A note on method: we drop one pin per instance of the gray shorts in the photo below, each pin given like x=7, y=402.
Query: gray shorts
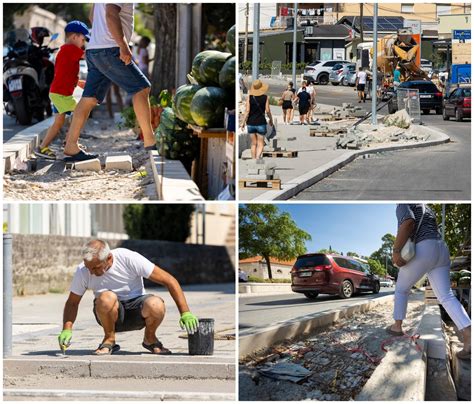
x=130, y=314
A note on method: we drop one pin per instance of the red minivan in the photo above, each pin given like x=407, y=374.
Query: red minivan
x=332, y=274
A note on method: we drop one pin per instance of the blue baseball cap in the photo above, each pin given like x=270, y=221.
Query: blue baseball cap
x=78, y=27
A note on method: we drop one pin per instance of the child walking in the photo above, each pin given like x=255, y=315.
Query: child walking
x=66, y=78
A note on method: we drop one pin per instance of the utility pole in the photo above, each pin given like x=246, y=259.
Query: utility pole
x=361, y=16
x=374, y=66
x=246, y=43
x=295, y=27
x=256, y=41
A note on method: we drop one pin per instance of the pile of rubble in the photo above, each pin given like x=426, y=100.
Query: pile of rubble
x=347, y=110
x=332, y=365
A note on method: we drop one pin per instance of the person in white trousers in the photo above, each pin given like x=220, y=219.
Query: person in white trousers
x=431, y=258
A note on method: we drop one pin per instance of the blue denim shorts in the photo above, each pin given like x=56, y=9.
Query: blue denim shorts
x=258, y=129
x=105, y=67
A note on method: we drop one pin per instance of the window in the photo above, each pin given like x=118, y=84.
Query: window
x=255, y=270
x=342, y=262
x=311, y=261
x=279, y=271
x=330, y=64
x=408, y=8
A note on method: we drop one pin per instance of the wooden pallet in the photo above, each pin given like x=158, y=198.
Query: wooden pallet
x=259, y=184
x=430, y=297
x=321, y=134
x=274, y=154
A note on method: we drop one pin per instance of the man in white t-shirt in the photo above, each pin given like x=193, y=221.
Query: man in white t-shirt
x=361, y=80
x=121, y=303
x=109, y=60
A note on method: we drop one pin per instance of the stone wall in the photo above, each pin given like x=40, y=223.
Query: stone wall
x=43, y=264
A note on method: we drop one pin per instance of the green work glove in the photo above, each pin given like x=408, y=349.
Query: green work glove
x=189, y=322
x=64, y=339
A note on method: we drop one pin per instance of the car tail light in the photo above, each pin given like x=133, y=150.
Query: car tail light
x=322, y=268
x=438, y=94
x=339, y=71
x=466, y=102
x=293, y=270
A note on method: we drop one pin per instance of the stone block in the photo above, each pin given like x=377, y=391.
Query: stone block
x=88, y=165
x=246, y=154
x=260, y=161
x=252, y=171
x=257, y=177
x=122, y=162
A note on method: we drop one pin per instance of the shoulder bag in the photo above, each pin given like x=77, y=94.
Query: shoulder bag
x=408, y=250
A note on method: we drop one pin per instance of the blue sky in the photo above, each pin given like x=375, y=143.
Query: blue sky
x=344, y=227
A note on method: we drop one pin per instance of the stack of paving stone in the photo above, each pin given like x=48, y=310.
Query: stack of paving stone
x=273, y=146
x=259, y=170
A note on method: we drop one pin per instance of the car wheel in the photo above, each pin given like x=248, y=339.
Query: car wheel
x=323, y=79
x=439, y=111
x=458, y=115
x=344, y=82
x=376, y=288
x=426, y=111
x=445, y=115
x=347, y=289
x=311, y=295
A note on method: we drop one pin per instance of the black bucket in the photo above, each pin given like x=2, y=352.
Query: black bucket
x=202, y=341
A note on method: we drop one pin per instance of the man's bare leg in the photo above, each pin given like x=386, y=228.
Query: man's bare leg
x=153, y=312
x=106, y=307
x=141, y=106
x=79, y=118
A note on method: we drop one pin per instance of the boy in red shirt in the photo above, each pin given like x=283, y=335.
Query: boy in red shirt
x=66, y=78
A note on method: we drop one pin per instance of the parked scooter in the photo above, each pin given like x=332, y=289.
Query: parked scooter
x=27, y=74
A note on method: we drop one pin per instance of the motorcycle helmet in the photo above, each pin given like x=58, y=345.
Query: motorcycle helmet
x=38, y=34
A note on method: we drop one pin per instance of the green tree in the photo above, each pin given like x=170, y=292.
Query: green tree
x=457, y=225
x=265, y=231
x=384, y=254
x=158, y=222
x=352, y=254
x=328, y=251
x=376, y=267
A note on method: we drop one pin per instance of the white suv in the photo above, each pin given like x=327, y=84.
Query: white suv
x=319, y=73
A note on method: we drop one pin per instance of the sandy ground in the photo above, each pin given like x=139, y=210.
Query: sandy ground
x=338, y=372
x=103, y=138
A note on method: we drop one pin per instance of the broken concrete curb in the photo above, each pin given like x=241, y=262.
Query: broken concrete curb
x=23, y=143
x=108, y=368
x=114, y=395
x=262, y=339
x=299, y=184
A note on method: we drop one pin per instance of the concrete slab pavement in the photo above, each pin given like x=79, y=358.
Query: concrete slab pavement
x=35, y=365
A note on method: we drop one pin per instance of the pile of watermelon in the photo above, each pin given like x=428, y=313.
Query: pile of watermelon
x=212, y=87
x=174, y=140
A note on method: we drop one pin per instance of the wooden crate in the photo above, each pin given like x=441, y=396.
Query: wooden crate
x=274, y=154
x=430, y=297
x=259, y=184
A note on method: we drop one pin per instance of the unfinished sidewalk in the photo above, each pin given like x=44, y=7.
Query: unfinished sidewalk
x=35, y=371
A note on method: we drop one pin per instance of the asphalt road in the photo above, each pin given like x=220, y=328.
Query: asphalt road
x=262, y=311
x=433, y=173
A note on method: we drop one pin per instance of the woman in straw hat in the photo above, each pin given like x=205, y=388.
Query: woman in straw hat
x=256, y=108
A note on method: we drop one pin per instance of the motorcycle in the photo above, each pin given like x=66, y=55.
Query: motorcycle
x=27, y=74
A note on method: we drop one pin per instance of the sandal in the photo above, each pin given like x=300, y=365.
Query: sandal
x=463, y=355
x=112, y=349
x=394, y=333
x=159, y=345
x=45, y=152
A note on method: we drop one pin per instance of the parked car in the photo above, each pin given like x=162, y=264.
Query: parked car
x=430, y=96
x=319, y=73
x=387, y=283
x=338, y=72
x=332, y=274
x=350, y=76
x=457, y=104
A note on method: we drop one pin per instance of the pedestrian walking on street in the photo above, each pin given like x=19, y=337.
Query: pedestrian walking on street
x=109, y=59
x=418, y=222
x=304, y=104
x=121, y=303
x=293, y=90
x=360, y=83
x=257, y=108
x=66, y=73
x=287, y=106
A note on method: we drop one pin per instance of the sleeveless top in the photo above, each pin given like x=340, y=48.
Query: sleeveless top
x=428, y=229
x=257, y=110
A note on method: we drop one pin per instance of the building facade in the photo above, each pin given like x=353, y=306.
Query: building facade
x=257, y=267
